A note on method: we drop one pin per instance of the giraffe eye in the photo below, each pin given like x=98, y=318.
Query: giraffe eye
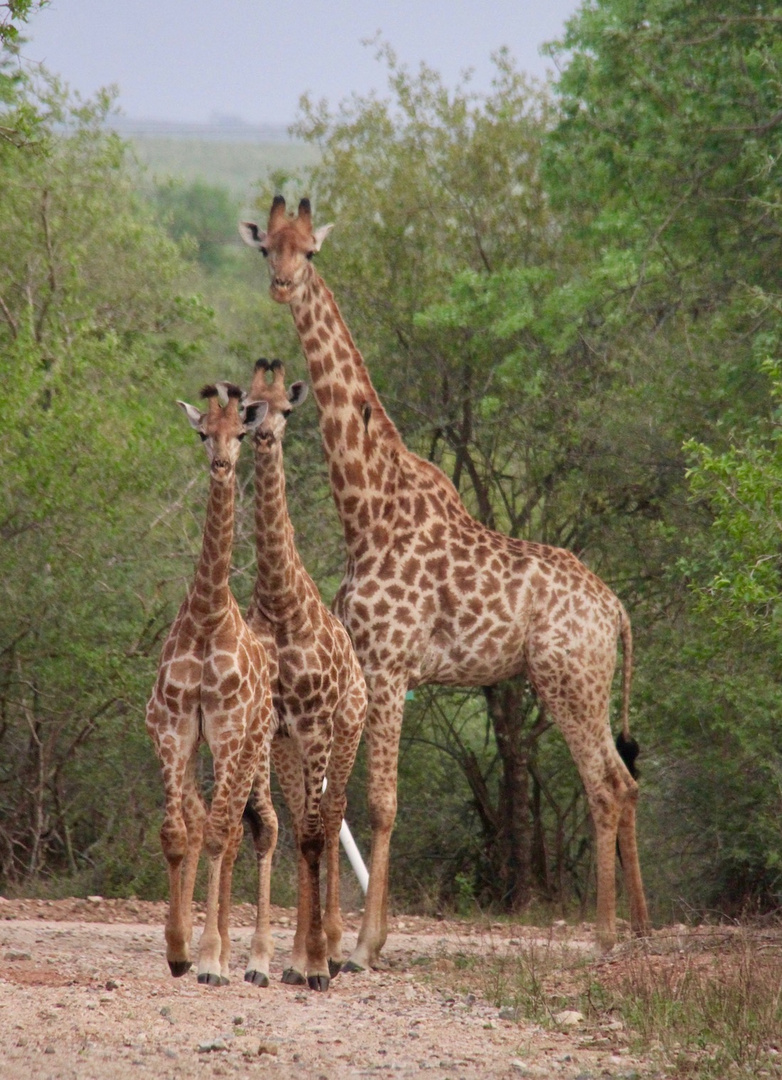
x=310, y=254
x=201, y=436
x=286, y=413
x=264, y=252
x=240, y=436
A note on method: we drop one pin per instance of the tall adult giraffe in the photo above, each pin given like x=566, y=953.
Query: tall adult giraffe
x=432, y=596
x=318, y=689
x=213, y=686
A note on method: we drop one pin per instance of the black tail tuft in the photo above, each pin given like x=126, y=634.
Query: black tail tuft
x=628, y=752
x=253, y=819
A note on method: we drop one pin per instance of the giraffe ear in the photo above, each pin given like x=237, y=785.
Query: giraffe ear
x=254, y=413
x=193, y=415
x=252, y=235
x=297, y=393
x=320, y=235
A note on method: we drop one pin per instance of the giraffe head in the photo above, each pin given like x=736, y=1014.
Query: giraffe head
x=278, y=401
x=288, y=244
x=222, y=427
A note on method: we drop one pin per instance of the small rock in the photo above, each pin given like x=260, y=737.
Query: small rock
x=569, y=1018
x=94, y=899
x=15, y=954
x=267, y=1048
x=238, y=1021
x=508, y=1012
x=48, y=1049
x=110, y=984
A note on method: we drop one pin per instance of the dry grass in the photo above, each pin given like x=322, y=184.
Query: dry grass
x=711, y=999
x=703, y=1003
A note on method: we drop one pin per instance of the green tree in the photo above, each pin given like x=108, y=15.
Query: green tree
x=201, y=214
x=94, y=330
x=666, y=165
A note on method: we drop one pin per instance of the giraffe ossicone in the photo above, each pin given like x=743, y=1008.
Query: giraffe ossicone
x=430, y=595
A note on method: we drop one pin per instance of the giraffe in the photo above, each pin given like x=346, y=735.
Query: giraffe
x=430, y=595
x=318, y=691
x=212, y=686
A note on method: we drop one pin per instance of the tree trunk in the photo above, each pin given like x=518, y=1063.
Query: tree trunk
x=513, y=848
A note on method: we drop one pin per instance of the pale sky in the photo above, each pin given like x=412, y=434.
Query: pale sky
x=194, y=60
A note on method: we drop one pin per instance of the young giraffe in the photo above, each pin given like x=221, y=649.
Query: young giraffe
x=213, y=686
x=432, y=596
x=318, y=690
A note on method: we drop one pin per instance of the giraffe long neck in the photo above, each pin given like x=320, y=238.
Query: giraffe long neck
x=210, y=593
x=361, y=443
x=278, y=584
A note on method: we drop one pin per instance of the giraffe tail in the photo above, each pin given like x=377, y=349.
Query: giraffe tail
x=253, y=819
x=626, y=745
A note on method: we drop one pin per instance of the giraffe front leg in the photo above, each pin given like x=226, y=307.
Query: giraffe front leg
x=173, y=838
x=181, y=837
x=311, y=848
x=224, y=899
x=289, y=770
x=333, y=812
x=347, y=732
x=219, y=830
x=383, y=729
x=263, y=824
x=310, y=838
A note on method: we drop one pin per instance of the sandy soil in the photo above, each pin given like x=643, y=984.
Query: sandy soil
x=85, y=993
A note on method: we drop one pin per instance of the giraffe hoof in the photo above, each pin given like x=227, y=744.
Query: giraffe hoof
x=179, y=967
x=318, y=982
x=352, y=967
x=257, y=978
x=293, y=977
x=208, y=978
x=335, y=966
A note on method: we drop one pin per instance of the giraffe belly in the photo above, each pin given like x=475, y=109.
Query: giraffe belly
x=480, y=661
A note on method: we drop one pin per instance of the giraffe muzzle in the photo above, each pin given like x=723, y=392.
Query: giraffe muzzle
x=281, y=290
x=265, y=440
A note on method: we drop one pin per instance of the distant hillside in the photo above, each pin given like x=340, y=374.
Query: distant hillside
x=236, y=160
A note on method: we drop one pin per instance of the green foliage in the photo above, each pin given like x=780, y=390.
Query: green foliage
x=742, y=488
x=201, y=214
x=12, y=13
x=93, y=329
x=665, y=163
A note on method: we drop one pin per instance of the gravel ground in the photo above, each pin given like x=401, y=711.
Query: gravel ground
x=85, y=993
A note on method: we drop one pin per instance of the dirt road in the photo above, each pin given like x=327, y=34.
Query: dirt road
x=85, y=993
